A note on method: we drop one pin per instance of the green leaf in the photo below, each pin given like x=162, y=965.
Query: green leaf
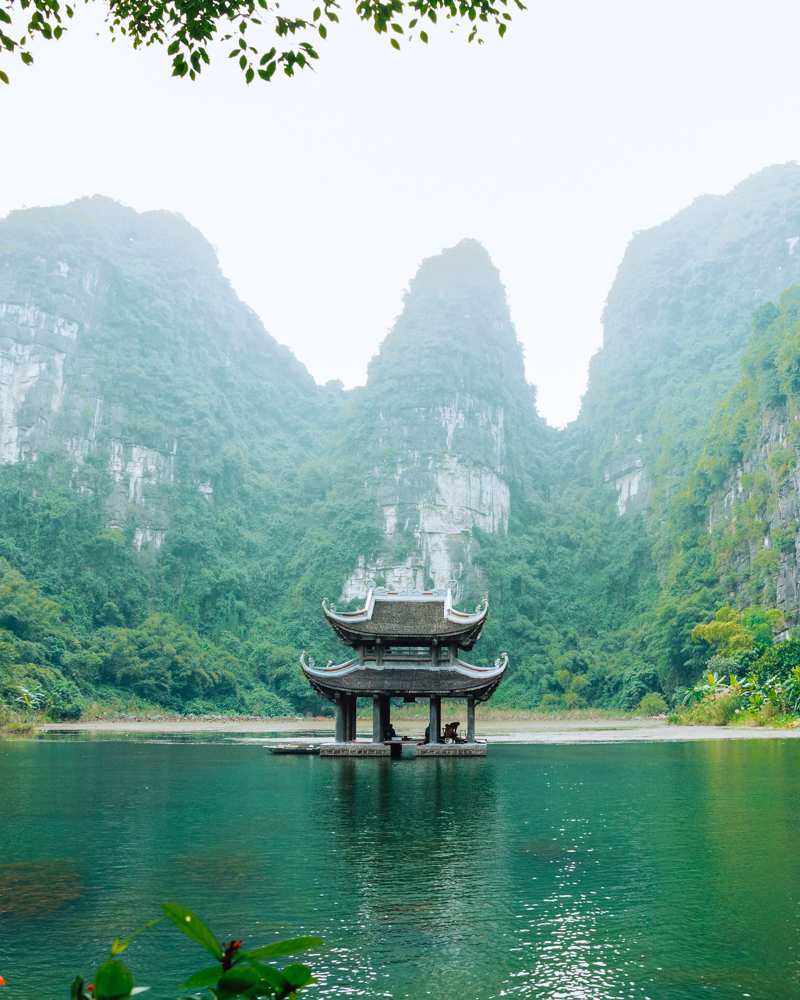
x=119, y=946
x=194, y=927
x=271, y=976
x=3, y=77
x=112, y=981
x=4, y=16
x=395, y=43
x=299, y=975
x=424, y=36
x=235, y=982
x=323, y=31
x=206, y=977
x=77, y=989
x=292, y=946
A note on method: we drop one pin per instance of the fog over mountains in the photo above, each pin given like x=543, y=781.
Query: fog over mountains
x=177, y=494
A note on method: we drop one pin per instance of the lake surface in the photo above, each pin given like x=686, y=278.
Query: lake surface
x=636, y=870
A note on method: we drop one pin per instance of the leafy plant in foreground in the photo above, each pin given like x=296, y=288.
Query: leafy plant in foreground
x=236, y=973
x=112, y=981
x=241, y=973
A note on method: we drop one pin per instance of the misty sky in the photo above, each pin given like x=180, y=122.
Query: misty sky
x=322, y=194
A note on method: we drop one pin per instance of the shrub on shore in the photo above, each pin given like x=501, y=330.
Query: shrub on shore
x=653, y=704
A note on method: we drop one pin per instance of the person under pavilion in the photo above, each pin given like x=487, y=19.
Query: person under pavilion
x=406, y=644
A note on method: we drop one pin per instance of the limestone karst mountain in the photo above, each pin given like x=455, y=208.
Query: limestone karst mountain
x=677, y=322
x=177, y=495
x=198, y=470
x=122, y=342
x=445, y=425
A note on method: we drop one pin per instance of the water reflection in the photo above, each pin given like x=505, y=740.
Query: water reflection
x=562, y=872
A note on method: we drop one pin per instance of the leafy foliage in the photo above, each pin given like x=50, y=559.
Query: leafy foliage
x=188, y=29
x=237, y=973
x=752, y=675
x=734, y=631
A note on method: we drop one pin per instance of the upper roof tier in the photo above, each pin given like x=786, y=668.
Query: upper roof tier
x=408, y=618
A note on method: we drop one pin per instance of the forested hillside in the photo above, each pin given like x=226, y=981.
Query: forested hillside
x=676, y=323
x=177, y=494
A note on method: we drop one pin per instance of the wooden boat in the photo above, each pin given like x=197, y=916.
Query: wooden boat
x=296, y=750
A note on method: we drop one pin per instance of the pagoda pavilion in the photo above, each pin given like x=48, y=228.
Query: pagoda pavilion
x=406, y=644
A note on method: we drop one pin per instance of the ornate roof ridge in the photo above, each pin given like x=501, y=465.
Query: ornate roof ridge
x=438, y=593
x=406, y=595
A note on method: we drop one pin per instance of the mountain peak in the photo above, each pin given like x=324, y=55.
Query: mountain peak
x=459, y=270
x=454, y=334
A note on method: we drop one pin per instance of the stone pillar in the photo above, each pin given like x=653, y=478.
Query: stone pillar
x=350, y=727
x=435, y=718
x=377, y=724
x=341, y=706
x=470, y=720
x=385, y=712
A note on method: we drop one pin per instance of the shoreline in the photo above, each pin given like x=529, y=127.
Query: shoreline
x=558, y=731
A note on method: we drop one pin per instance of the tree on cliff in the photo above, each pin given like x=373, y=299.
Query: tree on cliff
x=187, y=27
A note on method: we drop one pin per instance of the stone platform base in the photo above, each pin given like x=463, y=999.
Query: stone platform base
x=407, y=750
x=355, y=750
x=452, y=750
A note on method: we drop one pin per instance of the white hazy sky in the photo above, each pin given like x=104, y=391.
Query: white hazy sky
x=323, y=193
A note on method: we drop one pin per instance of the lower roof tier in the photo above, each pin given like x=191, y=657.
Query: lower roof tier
x=459, y=680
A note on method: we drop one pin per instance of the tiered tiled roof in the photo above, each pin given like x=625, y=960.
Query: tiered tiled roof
x=410, y=618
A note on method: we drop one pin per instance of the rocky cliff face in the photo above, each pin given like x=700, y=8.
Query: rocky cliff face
x=102, y=312
x=440, y=395
x=676, y=323
x=51, y=403
x=756, y=516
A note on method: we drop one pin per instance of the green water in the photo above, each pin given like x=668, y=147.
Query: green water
x=633, y=870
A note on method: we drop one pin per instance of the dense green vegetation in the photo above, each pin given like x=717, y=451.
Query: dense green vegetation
x=189, y=369
x=196, y=588
x=677, y=322
x=752, y=679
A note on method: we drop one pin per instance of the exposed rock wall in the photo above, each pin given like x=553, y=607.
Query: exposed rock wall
x=50, y=402
x=762, y=500
x=442, y=395
x=117, y=331
x=431, y=504
x=632, y=484
x=676, y=323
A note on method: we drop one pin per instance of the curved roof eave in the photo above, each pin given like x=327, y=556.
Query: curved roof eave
x=338, y=678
